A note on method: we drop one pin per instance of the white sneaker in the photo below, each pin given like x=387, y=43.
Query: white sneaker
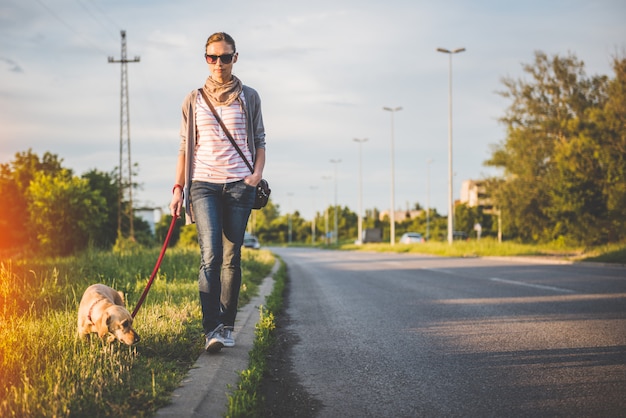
x=227, y=337
x=214, y=340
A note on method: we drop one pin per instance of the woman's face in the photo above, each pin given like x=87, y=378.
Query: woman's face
x=220, y=71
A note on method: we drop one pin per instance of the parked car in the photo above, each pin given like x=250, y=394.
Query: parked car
x=250, y=241
x=411, y=238
x=459, y=236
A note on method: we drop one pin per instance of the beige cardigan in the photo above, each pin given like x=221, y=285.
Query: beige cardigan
x=254, y=128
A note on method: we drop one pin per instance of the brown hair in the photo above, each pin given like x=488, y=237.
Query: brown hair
x=221, y=36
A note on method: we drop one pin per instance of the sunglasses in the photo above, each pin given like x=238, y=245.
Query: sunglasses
x=226, y=58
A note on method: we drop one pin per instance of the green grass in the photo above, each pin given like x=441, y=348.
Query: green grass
x=45, y=371
x=608, y=254
x=245, y=402
x=615, y=253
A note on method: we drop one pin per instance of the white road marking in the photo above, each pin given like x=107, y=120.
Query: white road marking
x=537, y=286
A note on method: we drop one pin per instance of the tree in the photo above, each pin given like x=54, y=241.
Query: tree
x=260, y=222
x=612, y=151
x=106, y=184
x=348, y=224
x=162, y=227
x=555, y=177
x=15, y=178
x=65, y=213
x=14, y=215
x=465, y=218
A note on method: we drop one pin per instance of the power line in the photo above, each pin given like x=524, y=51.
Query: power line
x=94, y=17
x=68, y=26
x=106, y=16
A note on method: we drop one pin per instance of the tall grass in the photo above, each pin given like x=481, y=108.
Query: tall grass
x=46, y=371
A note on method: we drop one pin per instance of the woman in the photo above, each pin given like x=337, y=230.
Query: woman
x=218, y=185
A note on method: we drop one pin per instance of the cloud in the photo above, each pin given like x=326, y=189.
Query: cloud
x=12, y=65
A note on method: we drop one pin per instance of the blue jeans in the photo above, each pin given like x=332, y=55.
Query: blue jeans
x=221, y=212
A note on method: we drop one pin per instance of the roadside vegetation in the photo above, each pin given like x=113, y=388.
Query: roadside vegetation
x=45, y=371
x=245, y=401
x=490, y=247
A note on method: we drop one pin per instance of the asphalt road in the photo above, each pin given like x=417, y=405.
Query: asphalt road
x=398, y=335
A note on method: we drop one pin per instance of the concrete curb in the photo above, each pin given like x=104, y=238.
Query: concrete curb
x=204, y=392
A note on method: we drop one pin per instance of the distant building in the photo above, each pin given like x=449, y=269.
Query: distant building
x=150, y=215
x=401, y=215
x=474, y=193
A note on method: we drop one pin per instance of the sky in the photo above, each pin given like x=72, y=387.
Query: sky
x=324, y=70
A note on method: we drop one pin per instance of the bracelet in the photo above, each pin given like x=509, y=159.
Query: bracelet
x=177, y=186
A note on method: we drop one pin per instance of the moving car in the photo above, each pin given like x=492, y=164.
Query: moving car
x=250, y=241
x=411, y=238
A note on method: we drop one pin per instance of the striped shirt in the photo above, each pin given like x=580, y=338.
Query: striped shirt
x=216, y=160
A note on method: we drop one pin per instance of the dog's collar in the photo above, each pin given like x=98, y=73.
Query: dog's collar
x=91, y=309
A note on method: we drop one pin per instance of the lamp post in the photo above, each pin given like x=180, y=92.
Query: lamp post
x=336, y=162
x=326, y=241
x=428, y=198
x=450, y=201
x=360, y=235
x=290, y=224
x=392, y=211
x=313, y=188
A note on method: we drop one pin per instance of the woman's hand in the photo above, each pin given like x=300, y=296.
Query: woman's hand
x=177, y=202
x=253, y=179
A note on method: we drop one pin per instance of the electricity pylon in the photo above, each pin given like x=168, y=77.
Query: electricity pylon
x=125, y=174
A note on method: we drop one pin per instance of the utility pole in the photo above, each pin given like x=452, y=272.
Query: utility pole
x=125, y=174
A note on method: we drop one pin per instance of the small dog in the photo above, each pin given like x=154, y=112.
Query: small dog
x=102, y=311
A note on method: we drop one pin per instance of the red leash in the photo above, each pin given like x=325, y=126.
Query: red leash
x=156, y=267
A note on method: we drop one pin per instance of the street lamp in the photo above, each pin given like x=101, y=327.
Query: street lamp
x=326, y=241
x=336, y=162
x=313, y=188
x=428, y=163
x=290, y=224
x=450, y=201
x=360, y=236
x=392, y=212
